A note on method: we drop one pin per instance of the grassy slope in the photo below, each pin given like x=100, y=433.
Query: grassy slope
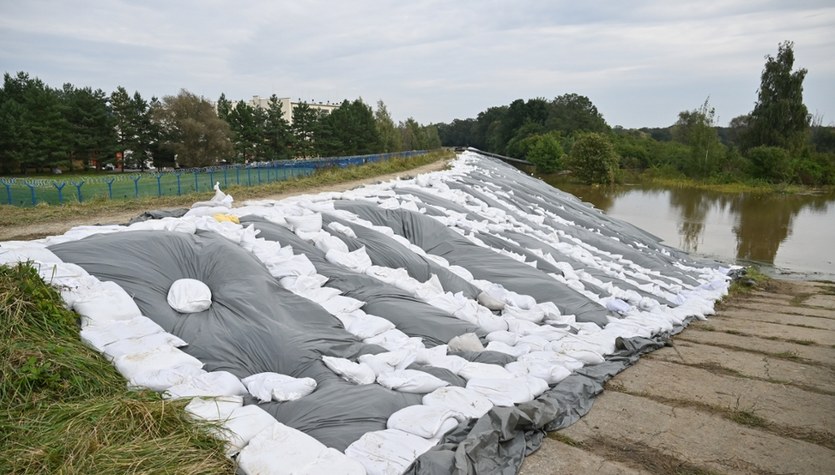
x=65, y=409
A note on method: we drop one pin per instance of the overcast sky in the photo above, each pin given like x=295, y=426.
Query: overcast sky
x=640, y=62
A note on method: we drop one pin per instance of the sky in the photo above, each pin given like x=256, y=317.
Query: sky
x=640, y=62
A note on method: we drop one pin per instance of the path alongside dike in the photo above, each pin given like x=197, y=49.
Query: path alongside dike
x=750, y=390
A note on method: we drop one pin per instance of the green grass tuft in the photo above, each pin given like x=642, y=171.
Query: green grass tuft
x=65, y=409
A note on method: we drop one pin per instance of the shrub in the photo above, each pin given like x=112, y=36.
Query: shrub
x=593, y=159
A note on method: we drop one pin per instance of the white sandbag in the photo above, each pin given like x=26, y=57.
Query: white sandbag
x=206, y=210
x=388, y=452
x=98, y=336
x=452, y=363
x=189, y=296
x=490, y=302
x=357, y=373
x=309, y=223
x=106, y=303
x=331, y=462
x=551, y=373
x=157, y=359
x=212, y=384
x=536, y=385
x=342, y=229
x=298, y=265
x=426, y=355
x=161, y=379
x=357, y=260
x=460, y=400
x=219, y=199
x=465, y=342
x=214, y=409
x=410, y=381
x=501, y=347
x=242, y=425
x=324, y=241
x=388, y=361
x=367, y=326
x=278, y=387
x=391, y=338
x=473, y=370
x=143, y=343
x=319, y=294
x=301, y=283
x=503, y=391
x=33, y=253
x=429, y=422
x=504, y=336
x=279, y=449
x=341, y=304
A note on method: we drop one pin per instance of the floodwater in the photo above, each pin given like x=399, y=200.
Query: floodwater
x=791, y=235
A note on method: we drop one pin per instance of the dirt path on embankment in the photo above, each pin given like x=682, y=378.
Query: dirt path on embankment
x=62, y=224
x=751, y=390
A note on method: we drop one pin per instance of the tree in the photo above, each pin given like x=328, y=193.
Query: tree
x=569, y=113
x=349, y=129
x=386, y=130
x=192, y=130
x=544, y=151
x=135, y=130
x=247, y=126
x=305, y=129
x=91, y=124
x=410, y=134
x=278, y=138
x=779, y=118
x=593, y=159
x=697, y=130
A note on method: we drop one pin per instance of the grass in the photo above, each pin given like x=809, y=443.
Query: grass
x=65, y=409
x=43, y=213
x=752, y=280
x=751, y=186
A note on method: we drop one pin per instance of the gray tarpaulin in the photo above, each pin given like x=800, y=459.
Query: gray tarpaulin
x=435, y=238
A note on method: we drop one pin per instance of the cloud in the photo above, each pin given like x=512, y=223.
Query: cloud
x=640, y=62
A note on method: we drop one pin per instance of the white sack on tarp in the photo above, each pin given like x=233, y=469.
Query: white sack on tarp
x=308, y=223
x=503, y=336
x=357, y=260
x=516, y=351
x=106, y=303
x=391, y=340
x=426, y=355
x=551, y=373
x=410, y=381
x=31, y=252
x=388, y=452
x=461, y=400
x=164, y=357
x=484, y=370
x=242, y=425
x=143, y=343
x=206, y=211
x=189, y=296
x=453, y=363
x=389, y=361
x=98, y=336
x=341, y=304
x=465, y=342
x=503, y=392
x=342, y=229
x=332, y=462
x=278, y=387
x=161, y=379
x=213, y=409
x=212, y=384
x=296, y=266
x=429, y=422
x=219, y=199
x=319, y=294
x=363, y=325
x=357, y=373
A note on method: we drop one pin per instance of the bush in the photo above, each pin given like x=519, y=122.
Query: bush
x=770, y=163
x=593, y=159
x=545, y=152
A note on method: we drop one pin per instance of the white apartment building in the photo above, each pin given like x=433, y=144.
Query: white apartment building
x=287, y=106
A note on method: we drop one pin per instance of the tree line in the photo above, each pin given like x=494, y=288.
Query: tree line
x=778, y=141
x=43, y=128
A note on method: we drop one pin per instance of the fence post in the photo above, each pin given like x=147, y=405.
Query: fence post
x=136, y=179
x=238, y=174
x=32, y=190
x=259, y=174
x=211, y=177
x=159, y=184
x=78, y=185
x=110, y=187
x=179, y=189
x=60, y=191
x=249, y=176
x=196, y=185
x=225, y=181
x=8, y=185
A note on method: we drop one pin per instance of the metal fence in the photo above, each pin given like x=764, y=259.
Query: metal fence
x=21, y=191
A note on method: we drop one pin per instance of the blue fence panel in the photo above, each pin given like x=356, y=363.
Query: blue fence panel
x=18, y=191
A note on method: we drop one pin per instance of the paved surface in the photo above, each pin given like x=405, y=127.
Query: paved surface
x=751, y=390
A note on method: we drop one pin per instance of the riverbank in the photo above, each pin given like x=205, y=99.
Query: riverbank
x=18, y=223
x=750, y=390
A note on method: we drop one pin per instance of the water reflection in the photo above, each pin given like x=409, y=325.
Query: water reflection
x=729, y=226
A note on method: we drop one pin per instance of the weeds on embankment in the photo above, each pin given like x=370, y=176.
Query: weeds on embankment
x=65, y=409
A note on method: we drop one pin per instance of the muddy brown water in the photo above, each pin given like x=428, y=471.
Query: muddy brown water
x=793, y=235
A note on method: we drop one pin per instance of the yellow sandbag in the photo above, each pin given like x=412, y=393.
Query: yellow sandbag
x=220, y=217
